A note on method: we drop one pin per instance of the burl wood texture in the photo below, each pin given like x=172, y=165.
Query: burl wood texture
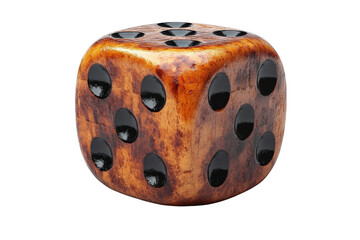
x=186, y=133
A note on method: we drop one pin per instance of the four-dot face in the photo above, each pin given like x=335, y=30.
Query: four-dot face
x=151, y=93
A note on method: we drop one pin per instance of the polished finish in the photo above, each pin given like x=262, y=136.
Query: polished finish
x=176, y=122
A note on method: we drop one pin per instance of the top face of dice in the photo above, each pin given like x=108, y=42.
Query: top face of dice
x=180, y=113
x=180, y=35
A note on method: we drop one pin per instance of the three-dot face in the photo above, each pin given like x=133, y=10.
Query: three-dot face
x=122, y=136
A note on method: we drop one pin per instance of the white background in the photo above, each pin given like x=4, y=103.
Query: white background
x=47, y=191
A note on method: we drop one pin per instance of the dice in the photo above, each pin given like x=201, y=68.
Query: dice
x=180, y=113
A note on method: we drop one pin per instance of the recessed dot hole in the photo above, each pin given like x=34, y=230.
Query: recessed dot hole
x=175, y=24
x=267, y=77
x=244, y=121
x=230, y=33
x=265, y=149
x=219, y=91
x=126, y=125
x=101, y=154
x=99, y=81
x=218, y=168
x=155, y=170
x=127, y=35
x=182, y=43
x=153, y=93
x=178, y=32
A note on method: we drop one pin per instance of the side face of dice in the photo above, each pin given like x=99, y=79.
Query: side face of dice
x=180, y=113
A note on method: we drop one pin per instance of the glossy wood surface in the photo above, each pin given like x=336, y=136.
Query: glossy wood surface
x=186, y=132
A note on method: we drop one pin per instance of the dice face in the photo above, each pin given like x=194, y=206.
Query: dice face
x=180, y=113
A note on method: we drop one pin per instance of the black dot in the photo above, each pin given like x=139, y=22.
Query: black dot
x=153, y=93
x=178, y=32
x=218, y=168
x=267, y=77
x=219, y=91
x=230, y=33
x=101, y=154
x=265, y=148
x=182, y=43
x=244, y=122
x=99, y=81
x=127, y=35
x=126, y=125
x=174, y=24
x=155, y=170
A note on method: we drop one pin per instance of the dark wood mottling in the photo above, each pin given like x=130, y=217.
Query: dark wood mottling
x=186, y=133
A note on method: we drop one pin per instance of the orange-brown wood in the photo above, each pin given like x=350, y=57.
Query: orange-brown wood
x=186, y=133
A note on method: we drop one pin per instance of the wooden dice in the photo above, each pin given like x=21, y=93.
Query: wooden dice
x=180, y=113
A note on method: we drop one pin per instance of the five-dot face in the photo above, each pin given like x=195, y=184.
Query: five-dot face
x=126, y=127
x=153, y=98
x=219, y=93
x=177, y=35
